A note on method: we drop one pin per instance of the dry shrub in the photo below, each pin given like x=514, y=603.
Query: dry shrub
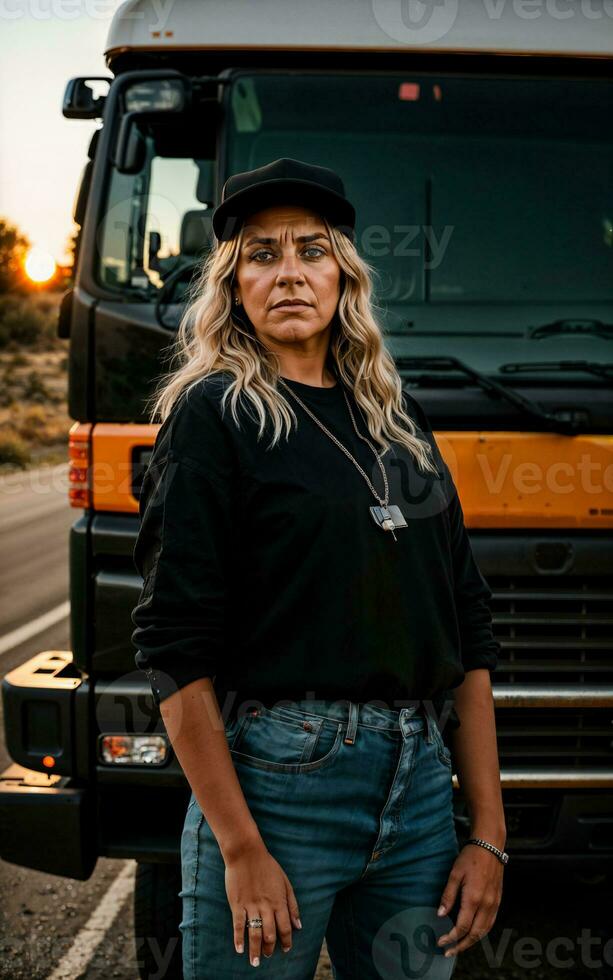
x=38, y=428
x=13, y=450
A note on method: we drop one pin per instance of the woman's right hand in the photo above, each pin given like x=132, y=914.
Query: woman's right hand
x=256, y=885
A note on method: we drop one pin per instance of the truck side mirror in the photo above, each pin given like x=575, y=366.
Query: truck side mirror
x=150, y=99
x=79, y=101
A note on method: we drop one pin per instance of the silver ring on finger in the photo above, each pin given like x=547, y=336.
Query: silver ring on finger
x=255, y=923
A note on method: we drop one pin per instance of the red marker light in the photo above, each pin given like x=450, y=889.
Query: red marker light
x=79, y=461
x=408, y=92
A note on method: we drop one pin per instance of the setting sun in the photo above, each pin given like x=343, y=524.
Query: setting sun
x=40, y=266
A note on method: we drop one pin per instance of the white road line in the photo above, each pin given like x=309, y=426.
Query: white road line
x=16, y=637
x=95, y=929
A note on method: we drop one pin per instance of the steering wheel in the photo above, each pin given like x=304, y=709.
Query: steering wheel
x=165, y=294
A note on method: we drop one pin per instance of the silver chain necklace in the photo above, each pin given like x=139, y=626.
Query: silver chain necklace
x=386, y=516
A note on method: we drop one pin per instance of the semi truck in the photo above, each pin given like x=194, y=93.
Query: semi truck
x=476, y=143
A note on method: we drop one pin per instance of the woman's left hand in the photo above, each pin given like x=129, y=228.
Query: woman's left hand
x=478, y=873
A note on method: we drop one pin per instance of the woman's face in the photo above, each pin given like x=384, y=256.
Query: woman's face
x=287, y=256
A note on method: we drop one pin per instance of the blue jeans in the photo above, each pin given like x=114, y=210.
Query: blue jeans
x=355, y=802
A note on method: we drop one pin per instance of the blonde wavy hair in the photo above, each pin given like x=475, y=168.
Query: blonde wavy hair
x=209, y=339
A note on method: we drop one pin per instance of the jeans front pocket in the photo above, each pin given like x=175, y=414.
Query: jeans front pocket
x=287, y=741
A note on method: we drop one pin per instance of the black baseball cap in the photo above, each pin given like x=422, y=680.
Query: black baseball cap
x=284, y=181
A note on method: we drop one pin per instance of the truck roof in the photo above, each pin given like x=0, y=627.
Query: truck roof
x=497, y=26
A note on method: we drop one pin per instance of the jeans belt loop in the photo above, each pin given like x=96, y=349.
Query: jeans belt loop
x=352, y=724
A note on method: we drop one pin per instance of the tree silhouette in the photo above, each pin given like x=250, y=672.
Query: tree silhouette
x=13, y=249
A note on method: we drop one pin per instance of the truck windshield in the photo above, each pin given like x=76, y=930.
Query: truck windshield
x=485, y=205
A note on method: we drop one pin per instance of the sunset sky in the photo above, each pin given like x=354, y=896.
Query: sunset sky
x=42, y=154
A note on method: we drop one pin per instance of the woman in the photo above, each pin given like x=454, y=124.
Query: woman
x=308, y=602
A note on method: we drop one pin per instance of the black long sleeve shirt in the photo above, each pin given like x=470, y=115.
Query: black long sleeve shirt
x=264, y=569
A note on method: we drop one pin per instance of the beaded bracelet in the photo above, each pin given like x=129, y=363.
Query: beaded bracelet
x=502, y=856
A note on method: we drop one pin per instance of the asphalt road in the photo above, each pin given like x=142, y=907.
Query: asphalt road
x=53, y=928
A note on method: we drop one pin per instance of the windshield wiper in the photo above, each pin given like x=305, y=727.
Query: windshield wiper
x=576, y=326
x=494, y=390
x=591, y=367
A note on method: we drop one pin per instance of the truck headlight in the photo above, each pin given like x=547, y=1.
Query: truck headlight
x=133, y=750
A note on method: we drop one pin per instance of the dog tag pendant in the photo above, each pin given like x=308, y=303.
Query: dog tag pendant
x=388, y=518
